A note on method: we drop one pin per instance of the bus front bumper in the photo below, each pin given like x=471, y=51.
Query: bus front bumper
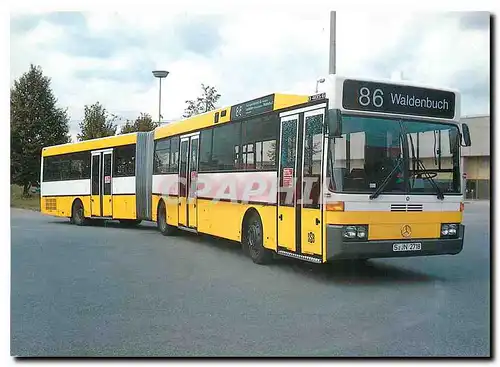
x=340, y=248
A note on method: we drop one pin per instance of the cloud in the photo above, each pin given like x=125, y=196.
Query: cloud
x=475, y=20
x=200, y=34
x=244, y=53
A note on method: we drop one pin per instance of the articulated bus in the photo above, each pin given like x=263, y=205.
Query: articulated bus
x=95, y=179
x=365, y=169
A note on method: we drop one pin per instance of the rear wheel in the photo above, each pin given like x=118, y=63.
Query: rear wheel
x=253, y=241
x=77, y=214
x=161, y=220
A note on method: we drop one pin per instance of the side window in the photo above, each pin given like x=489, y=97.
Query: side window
x=124, y=157
x=174, y=155
x=161, y=156
x=50, y=172
x=225, y=139
x=79, y=165
x=205, y=149
x=72, y=166
x=75, y=168
x=259, y=137
x=65, y=167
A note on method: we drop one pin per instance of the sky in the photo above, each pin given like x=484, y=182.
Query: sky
x=109, y=56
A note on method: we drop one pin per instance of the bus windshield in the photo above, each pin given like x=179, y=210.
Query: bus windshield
x=403, y=156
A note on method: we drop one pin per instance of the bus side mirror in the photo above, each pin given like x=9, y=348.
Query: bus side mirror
x=334, y=123
x=466, y=135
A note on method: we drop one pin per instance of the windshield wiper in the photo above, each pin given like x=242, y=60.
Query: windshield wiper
x=420, y=164
x=386, y=181
x=431, y=180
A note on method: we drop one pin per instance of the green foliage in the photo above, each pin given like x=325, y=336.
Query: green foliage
x=19, y=200
x=35, y=122
x=206, y=102
x=97, y=123
x=142, y=123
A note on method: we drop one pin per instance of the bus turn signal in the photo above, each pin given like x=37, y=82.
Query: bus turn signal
x=337, y=206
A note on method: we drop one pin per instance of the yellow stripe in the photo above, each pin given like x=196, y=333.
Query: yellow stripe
x=207, y=119
x=366, y=217
x=388, y=225
x=123, y=206
x=287, y=100
x=94, y=144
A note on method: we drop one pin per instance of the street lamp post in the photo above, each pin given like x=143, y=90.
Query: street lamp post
x=160, y=74
x=322, y=80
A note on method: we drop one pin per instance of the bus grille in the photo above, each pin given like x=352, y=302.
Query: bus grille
x=50, y=204
x=406, y=207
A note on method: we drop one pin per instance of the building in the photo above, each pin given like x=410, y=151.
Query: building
x=476, y=158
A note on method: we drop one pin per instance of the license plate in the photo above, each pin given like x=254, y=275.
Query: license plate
x=414, y=246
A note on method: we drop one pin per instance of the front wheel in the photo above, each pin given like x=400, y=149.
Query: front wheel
x=254, y=241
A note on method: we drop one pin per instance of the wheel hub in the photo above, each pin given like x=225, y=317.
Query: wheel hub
x=252, y=239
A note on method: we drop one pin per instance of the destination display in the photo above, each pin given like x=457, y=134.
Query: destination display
x=317, y=97
x=399, y=99
x=253, y=107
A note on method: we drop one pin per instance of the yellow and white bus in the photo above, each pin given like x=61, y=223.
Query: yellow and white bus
x=365, y=169
x=93, y=179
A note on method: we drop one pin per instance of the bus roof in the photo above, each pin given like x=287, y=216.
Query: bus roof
x=219, y=116
x=93, y=144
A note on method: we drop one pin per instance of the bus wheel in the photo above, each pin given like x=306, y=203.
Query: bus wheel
x=130, y=222
x=161, y=221
x=254, y=240
x=77, y=216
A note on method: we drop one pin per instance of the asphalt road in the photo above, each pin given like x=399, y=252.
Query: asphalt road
x=110, y=291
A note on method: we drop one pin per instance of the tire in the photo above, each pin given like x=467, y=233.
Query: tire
x=77, y=214
x=161, y=221
x=253, y=241
x=130, y=222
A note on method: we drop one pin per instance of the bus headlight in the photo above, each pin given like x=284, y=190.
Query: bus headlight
x=444, y=230
x=350, y=232
x=452, y=229
x=355, y=232
x=361, y=232
x=449, y=230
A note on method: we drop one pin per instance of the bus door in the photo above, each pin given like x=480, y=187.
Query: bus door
x=101, y=198
x=188, y=178
x=300, y=212
x=311, y=212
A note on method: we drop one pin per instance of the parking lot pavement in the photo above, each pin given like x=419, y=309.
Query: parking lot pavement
x=104, y=290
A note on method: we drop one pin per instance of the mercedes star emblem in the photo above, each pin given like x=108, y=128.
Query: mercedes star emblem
x=406, y=230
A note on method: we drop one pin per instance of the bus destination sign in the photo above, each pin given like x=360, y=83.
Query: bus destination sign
x=317, y=97
x=398, y=99
x=253, y=107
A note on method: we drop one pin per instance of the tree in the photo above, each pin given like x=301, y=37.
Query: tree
x=35, y=122
x=205, y=103
x=142, y=123
x=97, y=123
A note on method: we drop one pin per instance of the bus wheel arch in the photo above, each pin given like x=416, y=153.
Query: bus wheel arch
x=161, y=219
x=252, y=238
x=78, y=213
